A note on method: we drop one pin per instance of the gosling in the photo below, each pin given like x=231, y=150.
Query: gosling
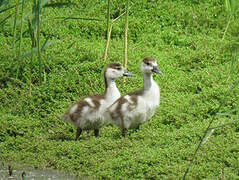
x=135, y=108
x=88, y=112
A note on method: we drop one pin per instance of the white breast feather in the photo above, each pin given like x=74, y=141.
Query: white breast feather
x=145, y=109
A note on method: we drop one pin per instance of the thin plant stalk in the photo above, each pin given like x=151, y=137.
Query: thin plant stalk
x=108, y=42
x=126, y=35
x=109, y=36
x=15, y=27
x=108, y=18
x=31, y=32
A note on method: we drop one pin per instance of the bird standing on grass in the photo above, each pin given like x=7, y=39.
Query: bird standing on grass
x=134, y=108
x=88, y=113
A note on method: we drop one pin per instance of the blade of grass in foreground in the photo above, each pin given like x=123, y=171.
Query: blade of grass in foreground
x=208, y=132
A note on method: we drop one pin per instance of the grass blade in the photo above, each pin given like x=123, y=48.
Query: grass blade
x=2, y=21
x=31, y=33
x=228, y=5
x=3, y=10
x=34, y=16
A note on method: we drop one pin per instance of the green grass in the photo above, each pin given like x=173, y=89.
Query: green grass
x=199, y=67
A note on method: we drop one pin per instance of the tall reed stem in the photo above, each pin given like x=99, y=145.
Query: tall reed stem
x=108, y=19
x=126, y=34
x=109, y=35
x=108, y=42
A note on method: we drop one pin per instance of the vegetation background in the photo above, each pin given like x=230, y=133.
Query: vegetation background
x=52, y=57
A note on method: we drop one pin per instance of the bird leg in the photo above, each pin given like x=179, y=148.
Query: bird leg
x=124, y=132
x=78, y=132
x=96, y=132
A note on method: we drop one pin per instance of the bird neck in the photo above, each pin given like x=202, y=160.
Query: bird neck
x=111, y=91
x=148, y=81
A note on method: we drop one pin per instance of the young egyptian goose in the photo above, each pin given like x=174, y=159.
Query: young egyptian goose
x=88, y=113
x=134, y=108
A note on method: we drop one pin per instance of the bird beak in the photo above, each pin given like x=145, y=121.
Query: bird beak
x=127, y=73
x=156, y=70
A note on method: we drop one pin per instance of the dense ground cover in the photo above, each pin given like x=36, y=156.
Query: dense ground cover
x=199, y=67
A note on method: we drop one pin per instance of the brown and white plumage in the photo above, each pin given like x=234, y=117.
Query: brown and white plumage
x=134, y=108
x=88, y=113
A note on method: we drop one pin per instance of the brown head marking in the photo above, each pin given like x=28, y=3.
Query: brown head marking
x=148, y=60
x=112, y=66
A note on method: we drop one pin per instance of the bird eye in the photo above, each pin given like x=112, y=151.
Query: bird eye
x=118, y=68
x=148, y=63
